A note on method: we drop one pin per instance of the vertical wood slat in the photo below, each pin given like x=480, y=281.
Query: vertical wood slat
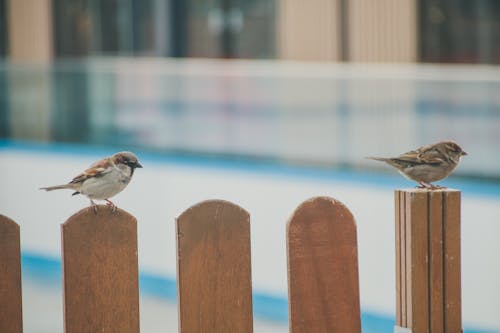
x=408, y=262
x=399, y=273
x=417, y=211
x=429, y=224
x=452, y=266
x=11, y=319
x=400, y=259
x=213, y=269
x=436, y=309
x=100, y=272
x=323, y=282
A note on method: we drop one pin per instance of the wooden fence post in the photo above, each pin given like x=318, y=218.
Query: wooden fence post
x=323, y=281
x=100, y=272
x=428, y=283
x=11, y=319
x=213, y=269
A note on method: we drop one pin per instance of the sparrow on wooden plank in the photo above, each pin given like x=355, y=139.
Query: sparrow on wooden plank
x=428, y=163
x=103, y=179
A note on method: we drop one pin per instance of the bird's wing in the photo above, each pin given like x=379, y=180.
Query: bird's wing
x=97, y=169
x=424, y=155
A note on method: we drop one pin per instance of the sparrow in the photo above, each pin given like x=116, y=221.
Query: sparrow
x=428, y=163
x=103, y=179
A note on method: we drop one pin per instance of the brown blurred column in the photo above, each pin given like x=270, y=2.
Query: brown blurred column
x=308, y=30
x=29, y=26
x=382, y=30
x=30, y=30
x=348, y=30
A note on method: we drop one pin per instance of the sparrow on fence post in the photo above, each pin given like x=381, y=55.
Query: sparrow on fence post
x=428, y=163
x=103, y=179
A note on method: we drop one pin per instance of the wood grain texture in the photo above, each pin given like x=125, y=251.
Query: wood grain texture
x=408, y=261
x=404, y=261
x=11, y=319
x=400, y=259
x=418, y=220
x=452, y=268
x=435, y=222
x=323, y=284
x=397, y=238
x=214, y=269
x=429, y=225
x=100, y=272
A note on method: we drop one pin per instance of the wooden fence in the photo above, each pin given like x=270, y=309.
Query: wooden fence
x=100, y=268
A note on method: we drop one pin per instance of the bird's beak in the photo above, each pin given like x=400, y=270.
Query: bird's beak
x=464, y=153
x=138, y=165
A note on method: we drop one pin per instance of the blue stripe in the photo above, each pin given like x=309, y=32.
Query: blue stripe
x=46, y=271
x=273, y=167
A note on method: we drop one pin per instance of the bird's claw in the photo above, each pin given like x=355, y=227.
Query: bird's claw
x=111, y=204
x=429, y=186
x=93, y=206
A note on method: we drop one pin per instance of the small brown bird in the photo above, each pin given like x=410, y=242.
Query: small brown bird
x=427, y=164
x=103, y=179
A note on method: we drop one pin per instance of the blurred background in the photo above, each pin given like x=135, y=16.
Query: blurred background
x=253, y=102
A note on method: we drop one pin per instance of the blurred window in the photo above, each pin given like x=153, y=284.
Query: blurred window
x=3, y=29
x=111, y=27
x=460, y=31
x=184, y=28
x=229, y=28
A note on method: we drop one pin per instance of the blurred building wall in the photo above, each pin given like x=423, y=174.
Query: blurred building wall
x=443, y=31
x=29, y=28
x=309, y=30
x=348, y=30
x=382, y=31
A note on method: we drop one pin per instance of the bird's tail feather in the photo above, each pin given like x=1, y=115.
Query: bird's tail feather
x=57, y=187
x=383, y=159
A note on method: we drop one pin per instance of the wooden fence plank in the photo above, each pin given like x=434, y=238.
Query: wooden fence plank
x=404, y=261
x=399, y=255
x=100, y=272
x=418, y=214
x=11, y=319
x=323, y=268
x=453, y=296
x=436, y=310
x=408, y=261
x=213, y=268
x=432, y=252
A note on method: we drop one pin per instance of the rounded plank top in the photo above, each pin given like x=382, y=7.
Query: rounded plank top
x=214, y=205
x=103, y=213
x=100, y=267
x=214, y=268
x=323, y=268
x=8, y=223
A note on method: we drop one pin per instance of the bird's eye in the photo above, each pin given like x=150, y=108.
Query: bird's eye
x=126, y=161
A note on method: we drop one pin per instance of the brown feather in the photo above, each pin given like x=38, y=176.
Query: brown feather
x=94, y=170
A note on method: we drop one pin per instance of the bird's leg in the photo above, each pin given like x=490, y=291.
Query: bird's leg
x=93, y=206
x=110, y=204
x=425, y=185
x=430, y=186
